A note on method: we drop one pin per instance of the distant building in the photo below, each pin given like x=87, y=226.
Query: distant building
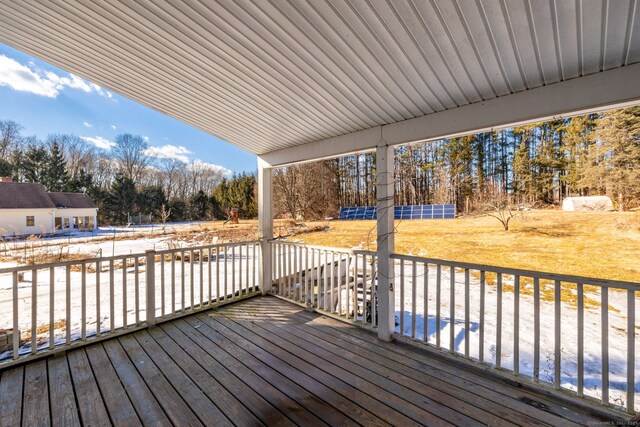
x=27, y=209
x=587, y=204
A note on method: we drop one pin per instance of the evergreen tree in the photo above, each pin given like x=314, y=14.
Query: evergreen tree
x=121, y=199
x=199, y=206
x=55, y=177
x=34, y=164
x=614, y=160
x=150, y=200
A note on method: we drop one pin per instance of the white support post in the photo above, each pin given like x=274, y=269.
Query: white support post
x=386, y=271
x=265, y=222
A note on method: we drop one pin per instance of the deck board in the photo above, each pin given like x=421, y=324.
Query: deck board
x=265, y=361
x=65, y=411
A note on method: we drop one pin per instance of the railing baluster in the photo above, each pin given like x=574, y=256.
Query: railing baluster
x=83, y=299
x=631, y=349
x=218, y=275
x=557, y=334
x=333, y=282
x=414, y=286
x=287, y=270
x=452, y=308
x=52, y=298
x=209, y=276
x=604, y=339
x=297, y=268
x=364, y=288
x=173, y=282
x=16, y=330
x=438, y=302
x=499, y=323
x=516, y=324
x=322, y=296
x=98, y=304
x=402, y=297
x=233, y=272
x=201, y=281
x=309, y=277
x=339, y=284
x=355, y=286
x=425, y=297
x=34, y=311
x=137, y=288
x=481, y=321
x=246, y=271
x=536, y=329
x=253, y=275
x=226, y=284
x=67, y=280
x=112, y=291
x=192, y=260
x=162, y=284
x=374, y=294
x=347, y=287
x=182, y=280
x=124, y=293
x=580, y=290
x=466, y=312
x=239, y=270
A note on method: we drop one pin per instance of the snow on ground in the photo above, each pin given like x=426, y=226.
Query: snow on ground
x=189, y=287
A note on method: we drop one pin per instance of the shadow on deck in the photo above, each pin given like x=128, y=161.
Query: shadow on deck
x=264, y=361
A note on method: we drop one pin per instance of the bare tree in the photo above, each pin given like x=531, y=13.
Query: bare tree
x=503, y=212
x=164, y=213
x=130, y=153
x=9, y=137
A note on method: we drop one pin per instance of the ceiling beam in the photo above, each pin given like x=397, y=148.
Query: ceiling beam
x=614, y=88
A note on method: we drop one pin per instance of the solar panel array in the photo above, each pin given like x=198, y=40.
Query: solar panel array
x=402, y=212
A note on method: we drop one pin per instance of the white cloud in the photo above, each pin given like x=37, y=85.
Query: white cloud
x=99, y=142
x=172, y=152
x=113, y=127
x=146, y=138
x=199, y=164
x=31, y=79
x=87, y=124
x=182, y=154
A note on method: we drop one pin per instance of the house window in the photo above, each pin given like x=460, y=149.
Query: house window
x=31, y=221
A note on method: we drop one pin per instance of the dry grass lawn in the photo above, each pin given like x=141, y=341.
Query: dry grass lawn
x=593, y=244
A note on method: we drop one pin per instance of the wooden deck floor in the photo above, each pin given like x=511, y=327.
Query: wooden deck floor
x=263, y=362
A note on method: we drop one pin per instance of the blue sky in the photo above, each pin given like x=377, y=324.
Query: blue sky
x=45, y=99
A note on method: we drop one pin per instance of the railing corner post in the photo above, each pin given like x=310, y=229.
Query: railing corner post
x=151, y=287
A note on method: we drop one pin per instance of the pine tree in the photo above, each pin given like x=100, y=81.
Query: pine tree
x=55, y=177
x=34, y=163
x=614, y=159
x=121, y=199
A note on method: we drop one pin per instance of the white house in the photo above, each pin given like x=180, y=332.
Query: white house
x=27, y=208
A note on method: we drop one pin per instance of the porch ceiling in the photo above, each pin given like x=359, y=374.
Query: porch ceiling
x=270, y=76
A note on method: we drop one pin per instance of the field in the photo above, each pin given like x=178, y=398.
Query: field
x=592, y=244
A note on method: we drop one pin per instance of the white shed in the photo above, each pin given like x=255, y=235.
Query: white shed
x=590, y=203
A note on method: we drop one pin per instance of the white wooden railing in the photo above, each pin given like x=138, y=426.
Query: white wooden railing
x=335, y=281
x=573, y=333
x=57, y=306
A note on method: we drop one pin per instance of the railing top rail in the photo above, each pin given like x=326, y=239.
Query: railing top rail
x=526, y=273
x=93, y=260
x=304, y=245
x=212, y=246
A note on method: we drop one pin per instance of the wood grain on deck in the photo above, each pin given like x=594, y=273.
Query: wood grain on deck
x=264, y=361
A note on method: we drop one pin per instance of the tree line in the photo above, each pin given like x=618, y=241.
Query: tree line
x=538, y=164
x=125, y=180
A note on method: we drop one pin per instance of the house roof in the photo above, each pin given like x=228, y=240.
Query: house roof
x=19, y=195
x=275, y=76
x=72, y=200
